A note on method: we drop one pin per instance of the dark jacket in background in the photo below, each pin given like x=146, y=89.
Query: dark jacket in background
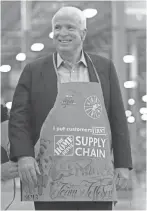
x=4, y=156
x=4, y=113
x=4, y=117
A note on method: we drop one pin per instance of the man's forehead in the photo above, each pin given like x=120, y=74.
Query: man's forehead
x=66, y=17
x=72, y=16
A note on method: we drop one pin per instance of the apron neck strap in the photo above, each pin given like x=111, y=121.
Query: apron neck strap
x=91, y=69
x=55, y=67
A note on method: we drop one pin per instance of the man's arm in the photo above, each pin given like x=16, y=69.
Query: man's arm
x=118, y=122
x=21, y=143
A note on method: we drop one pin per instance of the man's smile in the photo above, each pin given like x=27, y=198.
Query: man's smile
x=64, y=41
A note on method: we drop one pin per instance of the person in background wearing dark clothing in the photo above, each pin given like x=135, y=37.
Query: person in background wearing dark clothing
x=9, y=169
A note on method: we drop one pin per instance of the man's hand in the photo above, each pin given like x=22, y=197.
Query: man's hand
x=28, y=170
x=122, y=178
x=9, y=170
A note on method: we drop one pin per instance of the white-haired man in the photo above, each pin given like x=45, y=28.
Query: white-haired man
x=70, y=103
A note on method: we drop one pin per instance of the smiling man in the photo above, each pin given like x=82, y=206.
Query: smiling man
x=89, y=85
x=69, y=33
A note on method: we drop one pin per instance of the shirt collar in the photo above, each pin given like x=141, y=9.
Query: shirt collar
x=60, y=60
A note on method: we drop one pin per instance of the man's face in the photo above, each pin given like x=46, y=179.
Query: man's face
x=67, y=33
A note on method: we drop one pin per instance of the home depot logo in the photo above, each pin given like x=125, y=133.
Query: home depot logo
x=63, y=145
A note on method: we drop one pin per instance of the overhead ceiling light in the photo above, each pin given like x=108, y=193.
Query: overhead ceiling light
x=134, y=11
x=9, y=105
x=131, y=101
x=144, y=98
x=130, y=84
x=37, y=47
x=143, y=132
x=144, y=117
x=90, y=13
x=131, y=119
x=51, y=35
x=139, y=17
x=143, y=110
x=21, y=57
x=128, y=113
x=128, y=58
x=5, y=68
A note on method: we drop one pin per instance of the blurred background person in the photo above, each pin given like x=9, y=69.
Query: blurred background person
x=9, y=169
x=4, y=134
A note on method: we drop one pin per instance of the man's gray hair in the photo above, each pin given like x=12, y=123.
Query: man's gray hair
x=73, y=12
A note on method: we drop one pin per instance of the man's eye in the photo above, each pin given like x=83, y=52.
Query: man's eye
x=57, y=27
x=70, y=28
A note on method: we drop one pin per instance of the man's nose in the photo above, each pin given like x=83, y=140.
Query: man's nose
x=63, y=31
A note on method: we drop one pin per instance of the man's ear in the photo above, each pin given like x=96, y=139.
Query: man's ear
x=83, y=35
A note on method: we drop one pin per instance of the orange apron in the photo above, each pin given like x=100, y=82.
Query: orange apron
x=75, y=157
